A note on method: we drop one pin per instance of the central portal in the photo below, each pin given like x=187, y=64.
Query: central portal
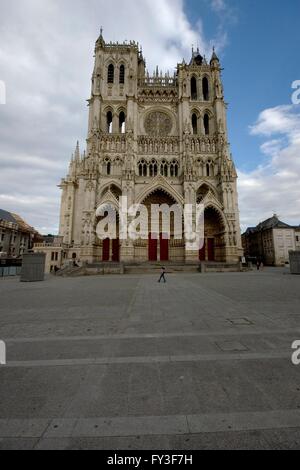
x=158, y=251
x=159, y=244
x=164, y=248
x=152, y=248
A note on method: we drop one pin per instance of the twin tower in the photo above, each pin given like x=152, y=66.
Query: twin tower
x=156, y=139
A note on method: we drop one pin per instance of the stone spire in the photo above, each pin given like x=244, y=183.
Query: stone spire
x=214, y=58
x=100, y=41
x=77, y=152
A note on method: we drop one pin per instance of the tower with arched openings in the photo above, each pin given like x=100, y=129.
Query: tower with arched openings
x=156, y=139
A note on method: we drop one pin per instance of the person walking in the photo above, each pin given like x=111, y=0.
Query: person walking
x=163, y=275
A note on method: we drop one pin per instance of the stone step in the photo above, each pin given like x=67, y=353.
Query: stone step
x=149, y=268
x=153, y=269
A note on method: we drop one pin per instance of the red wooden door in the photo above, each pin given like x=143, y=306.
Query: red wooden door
x=202, y=252
x=105, y=249
x=164, y=249
x=116, y=251
x=211, y=249
x=152, y=248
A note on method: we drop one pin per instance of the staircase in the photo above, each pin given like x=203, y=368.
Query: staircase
x=97, y=269
x=154, y=268
x=100, y=269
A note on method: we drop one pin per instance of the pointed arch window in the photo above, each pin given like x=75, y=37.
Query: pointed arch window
x=153, y=168
x=108, y=167
x=109, y=122
x=164, y=169
x=143, y=168
x=122, y=122
x=194, y=88
x=111, y=74
x=174, y=169
x=206, y=124
x=195, y=124
x=122, y=75
x=205, y=87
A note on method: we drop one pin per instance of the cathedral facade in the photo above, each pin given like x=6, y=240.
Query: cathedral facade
x=154, y=139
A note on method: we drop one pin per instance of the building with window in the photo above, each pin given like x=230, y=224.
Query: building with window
x=271, y=241
x=297, y=237
x=156, y=139
x=16, y=236
x=54, y=250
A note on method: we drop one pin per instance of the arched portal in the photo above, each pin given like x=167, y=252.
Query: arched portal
x=163, y=245
x=110, y=246
x=214, y=236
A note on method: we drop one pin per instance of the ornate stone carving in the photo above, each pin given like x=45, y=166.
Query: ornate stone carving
x=158, y=124
x=162, y=146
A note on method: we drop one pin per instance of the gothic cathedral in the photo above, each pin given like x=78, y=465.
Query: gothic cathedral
x=156, y=139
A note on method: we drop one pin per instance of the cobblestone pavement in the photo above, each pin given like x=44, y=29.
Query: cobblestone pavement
x=122, y=362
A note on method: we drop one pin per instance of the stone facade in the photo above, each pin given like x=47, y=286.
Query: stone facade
x=16, y=236
x=54, y=252
x=154, y=139
x=271, y=241
x=297, y=235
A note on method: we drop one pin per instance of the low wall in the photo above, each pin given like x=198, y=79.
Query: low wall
x=93, y=270
x=220, y=268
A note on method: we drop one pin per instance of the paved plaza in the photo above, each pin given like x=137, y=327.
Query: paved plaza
x=122, y=362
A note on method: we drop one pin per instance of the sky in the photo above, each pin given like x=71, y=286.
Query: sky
x=46, y=62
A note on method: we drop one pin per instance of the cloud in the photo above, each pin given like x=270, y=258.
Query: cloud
x=273, y=187
x=227, y=13
x=218, y=5
x=46, y=63
x=278, y=120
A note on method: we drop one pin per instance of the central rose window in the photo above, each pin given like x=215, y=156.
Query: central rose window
x=158, y=124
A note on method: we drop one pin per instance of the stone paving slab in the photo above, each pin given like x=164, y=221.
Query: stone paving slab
x=149, y=359
x=149, y=425
x=122, y=362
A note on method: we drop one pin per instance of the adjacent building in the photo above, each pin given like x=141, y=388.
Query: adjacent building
x=54, y=250
x=16, y=236
x=297, y=236
x=271, y=241
x=154, y=139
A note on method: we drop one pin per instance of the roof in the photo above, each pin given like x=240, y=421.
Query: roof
x=214, y=57
x=197, y=58
x=272, y=222
x=7, y=216
x=250, y=230
x=23, y=226
x=17, y=220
